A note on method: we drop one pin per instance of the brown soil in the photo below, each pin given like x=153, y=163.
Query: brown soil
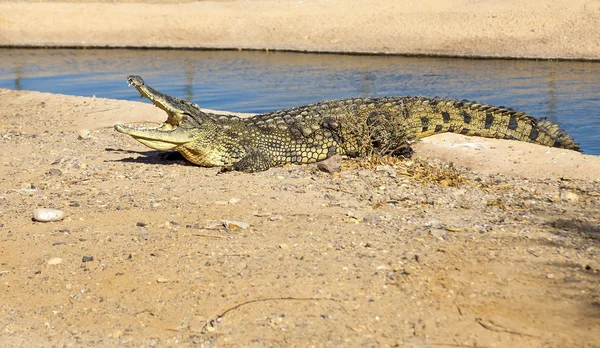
x=498, y=249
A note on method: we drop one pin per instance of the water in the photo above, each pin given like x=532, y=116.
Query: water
x=567, y=93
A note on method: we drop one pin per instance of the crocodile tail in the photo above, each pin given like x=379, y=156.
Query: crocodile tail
x=431, y=116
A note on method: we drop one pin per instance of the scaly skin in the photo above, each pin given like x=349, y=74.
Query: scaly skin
x=315, y=132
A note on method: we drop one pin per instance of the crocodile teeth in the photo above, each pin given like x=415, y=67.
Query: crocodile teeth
x=139, y=126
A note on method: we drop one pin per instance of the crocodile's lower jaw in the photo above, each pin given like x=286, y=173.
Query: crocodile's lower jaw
x=149, y=136
x=156, y=144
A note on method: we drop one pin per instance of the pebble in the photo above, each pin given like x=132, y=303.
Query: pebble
x=162, y=280
x=54, y=171
x=234, y=200
x=87, y=259
x=284, y=246
x=386, y=169
x=365, y=172
x=235, y=225
x=432, y=223
x=84, y=134
x=27, y=186
x=569, y=196
x=48, y=215
x=54, y=261
x=331, y=165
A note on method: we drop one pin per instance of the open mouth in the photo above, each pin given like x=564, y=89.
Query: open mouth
x=169, y=134
x=163, y=138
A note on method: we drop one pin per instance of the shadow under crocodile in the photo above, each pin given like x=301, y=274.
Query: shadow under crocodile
x=151, y=157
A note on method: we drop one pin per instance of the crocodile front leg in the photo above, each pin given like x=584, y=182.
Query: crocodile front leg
x=254, y=161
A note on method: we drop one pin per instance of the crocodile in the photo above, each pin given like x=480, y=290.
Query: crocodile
x=315, y=132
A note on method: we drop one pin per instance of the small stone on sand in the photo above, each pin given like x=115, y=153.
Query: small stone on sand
x=54, y=261
x=48, y=215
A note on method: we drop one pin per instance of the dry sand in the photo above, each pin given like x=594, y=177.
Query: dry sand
x=473, y=243
x=512, y=28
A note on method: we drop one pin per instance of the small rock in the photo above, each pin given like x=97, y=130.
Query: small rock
x=386, y=169
x=234, y=200
x=48, y=215
x=275, y=218
x=84, y=134
x=140, y=224
x=162, y=280
x=87, y=259
x=365, y=172
x=284, y=246
x=331, y=165
x=27, y=186
x=432, y=223
x=54, y=261
x=235, y=225
x=55, y=171
x=569, y=196
x=550, y=276
x=210, y=329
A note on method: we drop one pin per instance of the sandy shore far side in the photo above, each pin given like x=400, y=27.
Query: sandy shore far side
x=532, y=29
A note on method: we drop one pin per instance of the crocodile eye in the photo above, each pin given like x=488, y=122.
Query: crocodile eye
x=189, y=121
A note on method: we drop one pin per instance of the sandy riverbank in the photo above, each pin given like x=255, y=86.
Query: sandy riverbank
x=533, y=29
x=500, y=248
x=473, y=243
